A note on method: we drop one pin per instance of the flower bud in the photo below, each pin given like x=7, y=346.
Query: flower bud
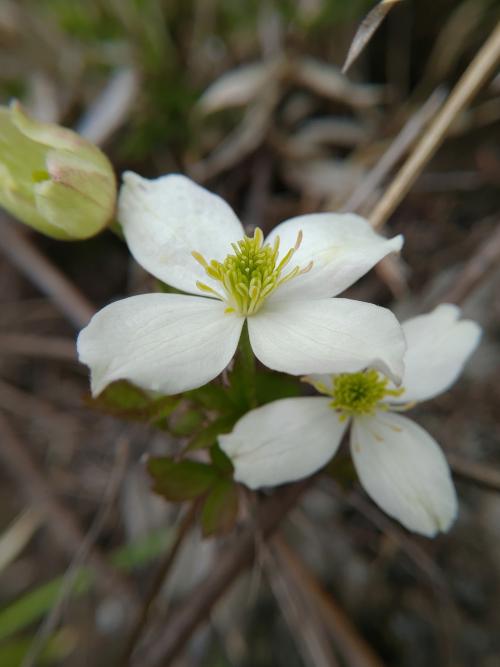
x=52, y=179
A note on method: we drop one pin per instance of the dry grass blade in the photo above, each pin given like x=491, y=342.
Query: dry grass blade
x=453, y=39
x=366, y=30
x=17, y=535
x=328, y=81
x=111, y=108
x=478, y=72
x=397, y=149
x=240, y=86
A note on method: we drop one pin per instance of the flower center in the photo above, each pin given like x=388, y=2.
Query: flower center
x=358, y=393
x=251, y=274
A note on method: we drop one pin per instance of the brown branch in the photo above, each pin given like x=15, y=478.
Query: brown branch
x=17, y=247
x=480, y=474
x=483, y=262
x=469, y=84
x=60, y=521
x=157, y=584
x=353, y=648
x=445, y=609
x=306, y=627
x=31, y=658
x=41, y=347
x=232, y=562
x=20, y=403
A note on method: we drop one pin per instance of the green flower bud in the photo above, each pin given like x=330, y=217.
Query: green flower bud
x=52, y=179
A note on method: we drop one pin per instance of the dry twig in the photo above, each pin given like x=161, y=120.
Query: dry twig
x=40, y=347
x=158, y=582
x=232, y=562
x=29, y=260
x=446, y=609
x=353, y=648
x=61, y=522
x=482, y=263
x=306, y=627
x=33, y=654
x=480, y=474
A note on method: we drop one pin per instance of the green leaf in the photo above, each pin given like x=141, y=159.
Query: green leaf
x=166, y=289
x=213, y=397
x=185, y=423
x=220, y=460
x=208, y=435
x=237, y=390
x=342, y=470
x=56, y=649
x=181, y=480
x=124, y=399
x=272, y=386
x=220, y=509
x=36, y=603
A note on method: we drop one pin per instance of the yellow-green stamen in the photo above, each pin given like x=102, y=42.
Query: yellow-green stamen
x=251, y=274
x=360, y=393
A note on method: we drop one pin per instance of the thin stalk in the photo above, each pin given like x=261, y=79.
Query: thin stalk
x=248, y=372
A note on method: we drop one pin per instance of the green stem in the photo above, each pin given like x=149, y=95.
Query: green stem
x=247, y=360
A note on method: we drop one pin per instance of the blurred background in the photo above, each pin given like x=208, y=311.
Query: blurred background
x=247, y=97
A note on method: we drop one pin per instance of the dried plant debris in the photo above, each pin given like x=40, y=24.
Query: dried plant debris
x=367, y=29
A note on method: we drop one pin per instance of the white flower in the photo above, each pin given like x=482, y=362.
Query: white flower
x=398, y=463
x=191, y=239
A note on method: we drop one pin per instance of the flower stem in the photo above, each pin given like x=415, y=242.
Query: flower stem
x=247, y=360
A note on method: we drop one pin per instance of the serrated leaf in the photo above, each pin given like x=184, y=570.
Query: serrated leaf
x=220, y=509
x=124, y=399
x=181, y=480
x=367, y=28
x=220, y=460
x=208, y=435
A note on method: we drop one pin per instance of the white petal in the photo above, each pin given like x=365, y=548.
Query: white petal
x=404, y=471
x=283, y=441
x=164, y=342
x=165, y=219
x=438, y=347
x=342, y=247
x=327, y=336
